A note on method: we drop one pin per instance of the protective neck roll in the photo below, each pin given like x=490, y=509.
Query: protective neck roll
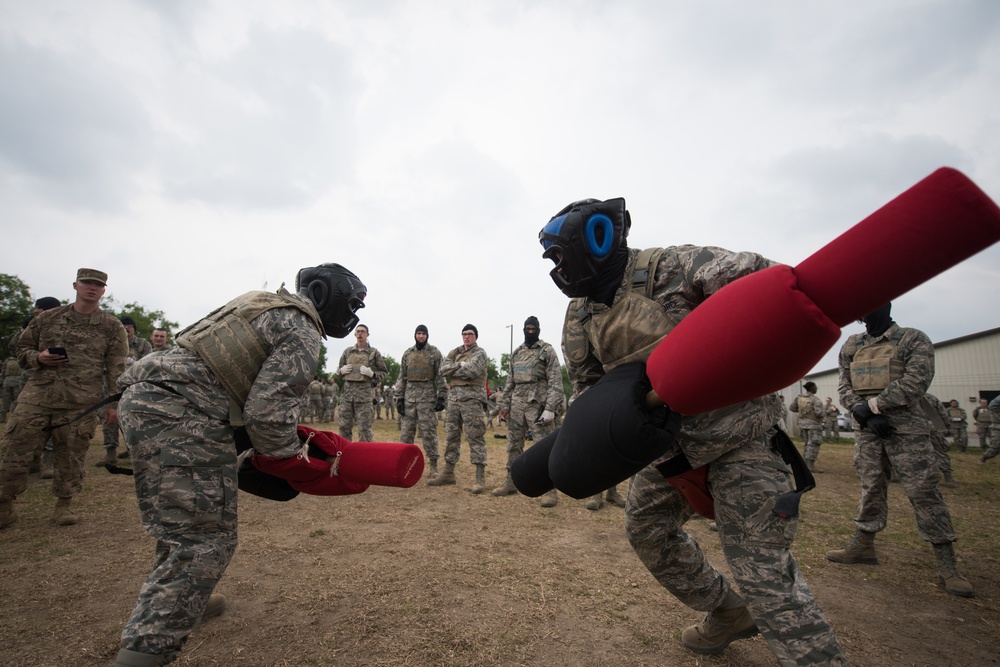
x=610, y=279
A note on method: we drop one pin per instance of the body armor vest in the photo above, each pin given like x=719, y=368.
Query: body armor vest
x=807, y=409
x=465, y=355
x=358, y=358
x=526, y=366
x=419, y=367
x=874, y=366
x=955, y=413
x=628, y=331
x=230, y=347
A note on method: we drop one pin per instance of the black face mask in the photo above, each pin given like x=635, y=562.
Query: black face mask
x=420, y=345
x=877, y=322
x=530, y=338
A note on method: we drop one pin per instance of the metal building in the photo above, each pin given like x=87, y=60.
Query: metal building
x=965, y=368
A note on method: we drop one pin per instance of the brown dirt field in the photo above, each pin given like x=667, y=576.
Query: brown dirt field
x=437, y=576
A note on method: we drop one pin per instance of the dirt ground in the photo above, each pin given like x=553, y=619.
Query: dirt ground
x=437, y=576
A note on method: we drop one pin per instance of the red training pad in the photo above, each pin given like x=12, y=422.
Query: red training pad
x=382, y=463
x=939, y=222
x=756, y=335
x=693, y=485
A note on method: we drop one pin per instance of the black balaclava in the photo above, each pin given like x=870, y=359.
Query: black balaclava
x=609, y=279
x=532, y=338
x=878, y=321
x=420, y=328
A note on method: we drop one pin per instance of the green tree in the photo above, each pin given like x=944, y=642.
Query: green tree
x=393, y=367
x=504, y=371
x=567, y=383
x=493, y=377
x=145, y=320
x=16, y=306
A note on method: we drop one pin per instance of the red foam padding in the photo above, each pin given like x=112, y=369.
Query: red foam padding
x=382, y=463
x=329, y=486
x=756, y=335
x=693, y=485
x=939, y=222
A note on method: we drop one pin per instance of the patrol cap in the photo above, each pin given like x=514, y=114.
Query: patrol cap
x=92, y=274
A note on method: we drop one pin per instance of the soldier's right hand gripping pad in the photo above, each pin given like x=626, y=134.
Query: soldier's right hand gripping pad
x=609, y=434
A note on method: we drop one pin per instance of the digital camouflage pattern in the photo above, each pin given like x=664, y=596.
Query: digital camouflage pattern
x=466, y=373
x=358, y=394
x=541, y=389
x=137, y=349
x=939, y=431
x=746, y=474
x=994, y=447
x=183, y=452
x=909, y=451
x=96, y=345
x=810, y=410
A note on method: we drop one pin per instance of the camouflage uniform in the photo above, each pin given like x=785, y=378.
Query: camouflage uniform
x=535, y=384
x=357, y=398
x=466, y=373
x=908, y=451
x=984, y=426
x=137, y=349
x=176, y=417
x=746, y=474
x=96, y=345
x=938, y=417
x=329, y=400
x=389, y=396
x=315, y=394
x=11, y=382
x=830, y=427
x=421, y=385
x=958, y=425
x=810, y=411
x=994, y=448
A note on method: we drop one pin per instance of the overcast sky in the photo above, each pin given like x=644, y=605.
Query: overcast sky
x=195, y=150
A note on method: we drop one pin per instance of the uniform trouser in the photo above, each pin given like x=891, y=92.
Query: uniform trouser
x=471, y=416
x=960, y=435
x=357, y=410
x=185, y=482
x=755, y=542
x=316, y=407
x=24, y=439
x=994, y=447
x=829, y=429
x=10, y=393
x=521, y=421
x=912, y=460
x=813, y=439
x=983, y=431
x=941, y=448
x=111, y=434
x=420, y=415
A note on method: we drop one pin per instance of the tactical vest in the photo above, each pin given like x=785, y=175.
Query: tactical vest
x=875, y=365
x=807, y=409
x=526, y=364
x=358, y=358
x=230, y=347
x=628, y=331
x=956, y=414
x=984, y=416
x=465, y=355
x=419, y=367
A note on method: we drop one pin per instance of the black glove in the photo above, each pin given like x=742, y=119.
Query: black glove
x=862, y=413
x=259, y=483
x=439, y=406
x=401, y=405
x=530, y=470
x=880, y=426
x=609, y=434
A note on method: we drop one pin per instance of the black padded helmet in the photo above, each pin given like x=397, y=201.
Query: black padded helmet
x=337, y=294
x=581, y=239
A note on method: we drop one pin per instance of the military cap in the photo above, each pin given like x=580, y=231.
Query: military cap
x=92, y=274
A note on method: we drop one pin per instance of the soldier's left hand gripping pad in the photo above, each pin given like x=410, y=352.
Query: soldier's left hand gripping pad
x=336, y=466
x=609, y=434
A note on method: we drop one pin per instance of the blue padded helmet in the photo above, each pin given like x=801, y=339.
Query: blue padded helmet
x=581, y=239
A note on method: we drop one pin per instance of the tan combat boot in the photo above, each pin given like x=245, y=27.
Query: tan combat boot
x=730, y=621
x=596, y=502
x=63, y=515
x=550, y=499
x=948, y=481
x=110, y=458
x=8, y=515
x=446, y=477
x=505, y=489
x=214, y=607
x=433, y=470
x=613, y=497
x=861, y=549
x=952, y=581
x=480, y=484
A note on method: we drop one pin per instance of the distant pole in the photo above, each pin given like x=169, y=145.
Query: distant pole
x=510, y=359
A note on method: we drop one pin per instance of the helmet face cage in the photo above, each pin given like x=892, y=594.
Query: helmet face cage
x=337, y=294
x=580, y=238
